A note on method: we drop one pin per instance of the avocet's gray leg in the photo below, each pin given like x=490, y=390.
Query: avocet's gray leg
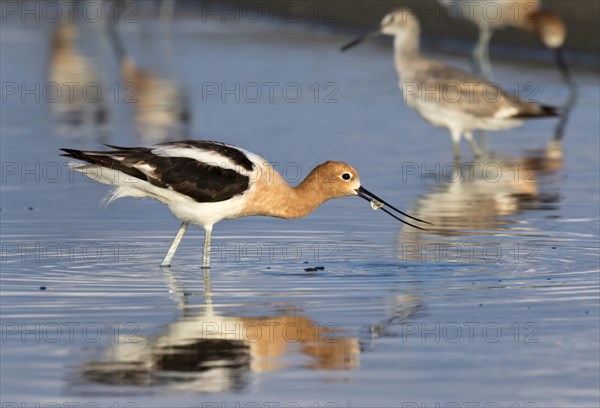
x=471, y=140
x=174, y=245
x=206, y=252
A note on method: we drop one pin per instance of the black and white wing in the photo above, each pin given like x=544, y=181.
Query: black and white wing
x=205, y=171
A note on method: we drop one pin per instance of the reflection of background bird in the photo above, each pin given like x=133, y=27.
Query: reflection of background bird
x=209, y=352
x=161, y=106
x=526, y=15
x=399, y=309
x=481, y=199
x=78, y=102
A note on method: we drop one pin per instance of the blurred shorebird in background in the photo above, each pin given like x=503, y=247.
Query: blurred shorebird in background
x=79, y=100
x=446, y=96
x=525, y=15
x=161, y=105
x=204, y=182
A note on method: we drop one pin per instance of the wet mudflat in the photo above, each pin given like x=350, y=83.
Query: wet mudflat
x=498, y=303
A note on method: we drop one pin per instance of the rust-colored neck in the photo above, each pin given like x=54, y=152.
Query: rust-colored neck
x=275, y=198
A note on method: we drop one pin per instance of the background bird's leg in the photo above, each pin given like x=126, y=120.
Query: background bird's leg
x=559, y=131
x=174, y=245
x=483, y=140
x=166, y=13
x=481, y=53
x=476, y=149
x=456, y=142
x=206, y=253
x=482, y=65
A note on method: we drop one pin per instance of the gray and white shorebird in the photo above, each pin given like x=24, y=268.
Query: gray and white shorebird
x=446, y=96
x=525, y=15
x=203, y=182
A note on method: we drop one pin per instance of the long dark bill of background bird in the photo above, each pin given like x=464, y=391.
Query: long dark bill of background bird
x=356, y=41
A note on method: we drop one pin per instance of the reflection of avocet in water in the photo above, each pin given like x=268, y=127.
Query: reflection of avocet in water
x=210, y=352
x=74, y=85
x=161, y=105
x=481, y=199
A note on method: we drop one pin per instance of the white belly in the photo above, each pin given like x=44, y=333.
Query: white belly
x=182, y=206
x=448, y=116
x=205, y=214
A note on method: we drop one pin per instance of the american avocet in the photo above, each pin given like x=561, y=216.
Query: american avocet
x=204, y=182
x=526, y=15
x=446, y=96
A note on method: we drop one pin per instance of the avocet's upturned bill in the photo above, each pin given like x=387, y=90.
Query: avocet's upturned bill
x=204, y=182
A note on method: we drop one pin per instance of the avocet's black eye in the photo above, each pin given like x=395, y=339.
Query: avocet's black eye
x=346, y=176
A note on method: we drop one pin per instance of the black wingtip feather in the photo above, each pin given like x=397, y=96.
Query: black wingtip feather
x=79, y=155
x=104, y=159
x=550, y=110
x=120, y=147
x=545, y=111
x=73, y=154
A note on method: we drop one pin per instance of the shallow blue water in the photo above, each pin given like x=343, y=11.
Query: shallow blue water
x=496, y=304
